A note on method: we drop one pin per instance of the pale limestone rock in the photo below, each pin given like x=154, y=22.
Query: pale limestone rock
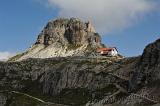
x=62, y=38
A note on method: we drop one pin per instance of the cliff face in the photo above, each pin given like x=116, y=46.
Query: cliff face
x=62, y=38
x=69, y=31
x=148, y=67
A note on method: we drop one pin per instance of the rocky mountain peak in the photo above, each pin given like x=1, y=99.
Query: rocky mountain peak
x=64, y=37
x=69, y=31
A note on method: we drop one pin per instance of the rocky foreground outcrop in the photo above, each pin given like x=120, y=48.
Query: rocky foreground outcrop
x=148, y=67
x=77, y=81
x=70, y=81
x=146, y=76
x=64, y=37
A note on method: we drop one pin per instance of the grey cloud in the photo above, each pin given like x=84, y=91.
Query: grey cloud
x=107, y=15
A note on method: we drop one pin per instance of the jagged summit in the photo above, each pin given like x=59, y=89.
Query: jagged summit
x=68, y=31
x=64, y=37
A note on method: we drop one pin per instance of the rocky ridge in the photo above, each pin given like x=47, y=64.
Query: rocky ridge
x=147, y=68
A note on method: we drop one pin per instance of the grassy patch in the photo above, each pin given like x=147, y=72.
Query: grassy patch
x=106, y=91
x=80, y=96
x=20, y=100
x=33, y=88
x=74, y=97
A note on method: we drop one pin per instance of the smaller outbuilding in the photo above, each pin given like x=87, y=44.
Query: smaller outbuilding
x=108, y=51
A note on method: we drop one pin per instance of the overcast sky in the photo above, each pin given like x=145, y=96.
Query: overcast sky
x=127, y=24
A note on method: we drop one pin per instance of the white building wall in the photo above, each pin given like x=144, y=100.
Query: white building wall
x=113, y=53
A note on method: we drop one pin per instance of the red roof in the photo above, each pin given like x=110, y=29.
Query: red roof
x=104, y=49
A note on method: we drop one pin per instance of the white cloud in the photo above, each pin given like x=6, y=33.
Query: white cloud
x=107, y=15
x=5, y=55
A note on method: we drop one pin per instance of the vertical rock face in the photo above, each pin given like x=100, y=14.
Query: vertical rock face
x=68, y=31
x=62, y=38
